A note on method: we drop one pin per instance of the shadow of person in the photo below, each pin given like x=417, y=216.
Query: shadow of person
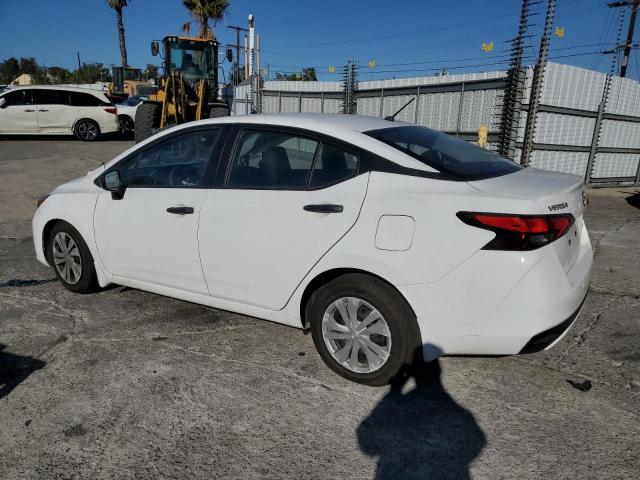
x=422, y=433
x=14, y=369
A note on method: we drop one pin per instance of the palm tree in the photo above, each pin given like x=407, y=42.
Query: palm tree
x=202, y=11
x=118, y=5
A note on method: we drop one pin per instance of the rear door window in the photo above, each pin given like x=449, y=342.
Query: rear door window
x=332, y=165
x=271, y=160
x=80, y=99
x=445, y=153
x=52, y=97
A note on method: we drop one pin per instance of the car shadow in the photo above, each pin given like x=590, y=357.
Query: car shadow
x=14, y=369
x=421, y=433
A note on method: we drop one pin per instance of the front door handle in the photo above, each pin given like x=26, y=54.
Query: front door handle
x=324, y=208
x=42, y=110
x=180, y=210
x=29, y=110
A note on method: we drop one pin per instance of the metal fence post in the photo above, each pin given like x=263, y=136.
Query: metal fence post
x=459, y=110
x=594, y=141
x=415, y=115
x=321, y=102
x=381, y=102
x=638, y=175
x=299, y=102
x=279, y=101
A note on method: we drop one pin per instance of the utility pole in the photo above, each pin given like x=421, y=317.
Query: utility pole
x=236, y=73
x=536, y=86
x=632, y=25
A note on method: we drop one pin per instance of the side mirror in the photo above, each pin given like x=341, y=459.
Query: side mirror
x=155, y=48
x=114, y=185
x=229, y=54
x=2, y=102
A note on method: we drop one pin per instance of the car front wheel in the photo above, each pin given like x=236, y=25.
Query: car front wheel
x=363, y=329
x=71, y=259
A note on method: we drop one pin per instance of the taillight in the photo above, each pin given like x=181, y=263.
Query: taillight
x=519, y=232
x=111, y=110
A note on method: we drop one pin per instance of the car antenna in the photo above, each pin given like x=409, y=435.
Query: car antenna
x=391, y=118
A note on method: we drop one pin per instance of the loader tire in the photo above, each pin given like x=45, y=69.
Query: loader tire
x=147, y=121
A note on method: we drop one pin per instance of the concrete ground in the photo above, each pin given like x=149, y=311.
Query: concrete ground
x=127, y=384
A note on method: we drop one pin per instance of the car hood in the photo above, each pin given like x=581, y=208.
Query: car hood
x=81, y=184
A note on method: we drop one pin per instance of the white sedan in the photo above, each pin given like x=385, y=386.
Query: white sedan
x=56, y=110
x=390, y=242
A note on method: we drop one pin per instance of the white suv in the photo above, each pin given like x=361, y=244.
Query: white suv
x=56, y=110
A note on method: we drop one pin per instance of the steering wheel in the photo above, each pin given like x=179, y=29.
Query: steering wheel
x=184, y=175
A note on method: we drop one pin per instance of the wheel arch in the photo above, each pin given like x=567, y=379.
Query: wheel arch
x=329, y=275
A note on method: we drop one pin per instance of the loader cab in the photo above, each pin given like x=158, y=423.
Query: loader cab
x=195, y=58
x=121, y=75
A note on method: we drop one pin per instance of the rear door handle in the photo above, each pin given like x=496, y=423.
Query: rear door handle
x=42, y=110
x=29, y=110
x=324, y=208
x=180, y=210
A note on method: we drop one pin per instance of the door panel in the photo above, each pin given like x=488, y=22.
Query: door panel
x=257, y=245
x=138, y=238
x=55, y=114
x=151, y=233
x=19, y=114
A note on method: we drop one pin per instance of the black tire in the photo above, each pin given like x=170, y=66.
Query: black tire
x=147, y=121
x=218, y=111
x=399, y=317
x=126, y=125
x=86, y=130
x=88, y=280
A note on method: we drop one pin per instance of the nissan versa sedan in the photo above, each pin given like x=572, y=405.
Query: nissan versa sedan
x=389, y=242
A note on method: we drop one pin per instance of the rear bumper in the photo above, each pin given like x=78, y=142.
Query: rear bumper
x=547, y=339
x=496, y=303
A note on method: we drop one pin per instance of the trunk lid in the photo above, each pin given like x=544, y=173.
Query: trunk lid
x=554, y=193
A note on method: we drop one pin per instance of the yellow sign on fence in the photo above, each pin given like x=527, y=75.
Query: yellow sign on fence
x=371, y=63
x=332, y=69
x=560, y=32
x=487, y=46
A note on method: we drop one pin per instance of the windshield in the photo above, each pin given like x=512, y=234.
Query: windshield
x=194, y=59
x=131, y=74
x=133, y=101
x=445, y=153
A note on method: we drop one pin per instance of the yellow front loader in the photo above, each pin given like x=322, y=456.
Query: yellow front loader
x=188, y=88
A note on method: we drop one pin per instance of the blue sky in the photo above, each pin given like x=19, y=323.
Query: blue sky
x=405, y=38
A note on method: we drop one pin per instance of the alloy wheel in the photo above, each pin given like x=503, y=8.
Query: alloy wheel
x=87, y=130
x=66, y=258
x=356, y=334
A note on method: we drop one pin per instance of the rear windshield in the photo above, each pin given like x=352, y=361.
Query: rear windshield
x=445, y=153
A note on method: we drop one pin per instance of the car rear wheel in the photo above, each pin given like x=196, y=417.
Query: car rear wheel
x=363, y=329
x=86, y=130
x=71, y=259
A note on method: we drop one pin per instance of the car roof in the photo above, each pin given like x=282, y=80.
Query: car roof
x=56, y=87
x=348, y=128
x=357, y=123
